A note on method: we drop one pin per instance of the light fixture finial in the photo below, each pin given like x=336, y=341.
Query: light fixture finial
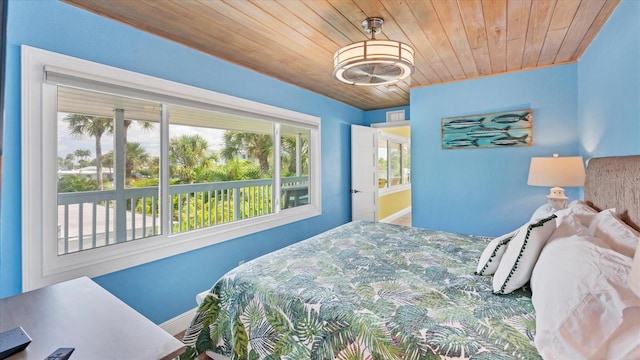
x=372, y=25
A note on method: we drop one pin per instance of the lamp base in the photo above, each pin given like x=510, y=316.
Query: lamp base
x=558, y=204
x=557, y=198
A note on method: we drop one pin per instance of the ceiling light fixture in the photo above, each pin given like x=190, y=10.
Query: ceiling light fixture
x=373, y=62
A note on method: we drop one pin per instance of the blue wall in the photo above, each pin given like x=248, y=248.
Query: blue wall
x=591, y=108
x=165, y=288
x=609, y=86
x=484, y=191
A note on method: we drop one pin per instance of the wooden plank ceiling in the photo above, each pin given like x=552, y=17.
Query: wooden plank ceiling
x=294, y=40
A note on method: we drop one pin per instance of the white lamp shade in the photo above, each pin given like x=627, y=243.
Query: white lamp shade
x=556, y=171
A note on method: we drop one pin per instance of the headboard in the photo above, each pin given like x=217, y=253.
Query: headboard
x=614, y=182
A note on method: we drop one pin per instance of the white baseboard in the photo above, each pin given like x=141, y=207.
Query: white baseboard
x=394, y=216
x=179, y=323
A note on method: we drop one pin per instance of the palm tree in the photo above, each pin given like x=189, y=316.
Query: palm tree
x=185, y=154
x=204, y=172
x=289, y=154
x=144, y=124
x=70, y=161
x=127, y=124
x=257, y=146
x=82, y=154
x=107, y=160
x=136, y=156
x=95, y=126
x=154, y=165
x=236, y=169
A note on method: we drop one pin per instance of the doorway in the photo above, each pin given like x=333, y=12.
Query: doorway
x=381, y=172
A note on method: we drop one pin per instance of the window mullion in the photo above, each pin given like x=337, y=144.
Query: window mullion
x=276, y=167
x=388, y=163
x=119, y=178
x=401, y=164
x=165, y=196
x=298, y=154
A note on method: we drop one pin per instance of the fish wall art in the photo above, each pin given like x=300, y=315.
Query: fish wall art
x=501, y=129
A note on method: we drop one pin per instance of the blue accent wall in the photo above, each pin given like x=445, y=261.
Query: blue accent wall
x=591, y=108
x=609, y=86
x=165, y=288
x=484, y=190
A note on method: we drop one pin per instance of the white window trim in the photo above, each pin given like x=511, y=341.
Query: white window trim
x=40, y=264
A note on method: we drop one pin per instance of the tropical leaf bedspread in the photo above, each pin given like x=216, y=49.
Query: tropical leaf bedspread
x=365, y=291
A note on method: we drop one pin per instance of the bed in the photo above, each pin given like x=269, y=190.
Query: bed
x=377, y=291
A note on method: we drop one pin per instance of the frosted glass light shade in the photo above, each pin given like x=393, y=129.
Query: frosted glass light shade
x=373, y=62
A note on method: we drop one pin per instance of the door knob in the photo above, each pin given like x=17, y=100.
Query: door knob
x=354, y=191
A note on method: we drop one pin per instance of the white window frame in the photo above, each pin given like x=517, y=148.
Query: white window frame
x=41, y=265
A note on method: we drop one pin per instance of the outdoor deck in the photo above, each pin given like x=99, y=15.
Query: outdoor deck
x=87, y=220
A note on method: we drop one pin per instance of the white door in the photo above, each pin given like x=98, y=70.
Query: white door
x=364, y=177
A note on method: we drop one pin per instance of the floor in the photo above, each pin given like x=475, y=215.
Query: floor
x=403, y=220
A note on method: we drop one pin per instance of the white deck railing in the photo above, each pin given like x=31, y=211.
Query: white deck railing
x=87, y=220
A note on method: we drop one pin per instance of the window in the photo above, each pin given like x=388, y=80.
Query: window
x=383, y=163
x=127, y=169
x=108, y=169
x=394, y=161
x=406, y=163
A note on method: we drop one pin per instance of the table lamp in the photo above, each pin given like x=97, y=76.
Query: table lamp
x=556, y=171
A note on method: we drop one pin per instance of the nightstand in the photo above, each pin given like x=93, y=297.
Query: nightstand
x=81, y=314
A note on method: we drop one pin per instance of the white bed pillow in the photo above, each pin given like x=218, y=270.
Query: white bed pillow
x=584, y=307
x=613, y=231
x=567, y=224
x=542, y=212
x=583, y=211
x=521, y=255
x=490, y=258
